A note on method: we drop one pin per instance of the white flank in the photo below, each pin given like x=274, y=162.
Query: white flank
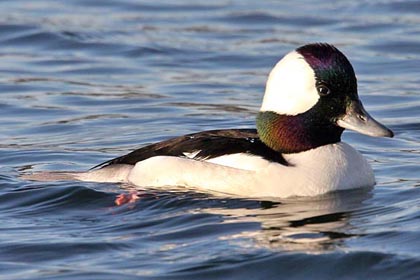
x=317, y=171
x=241, y=161
x=290, y=88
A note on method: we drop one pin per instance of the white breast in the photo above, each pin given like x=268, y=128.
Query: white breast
x=329, y=168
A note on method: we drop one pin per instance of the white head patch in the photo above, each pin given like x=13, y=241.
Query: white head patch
x=290, y=88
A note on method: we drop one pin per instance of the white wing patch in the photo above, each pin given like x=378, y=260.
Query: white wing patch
x=192, y=154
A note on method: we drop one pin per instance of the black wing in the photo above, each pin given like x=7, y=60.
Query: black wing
x=210, y=144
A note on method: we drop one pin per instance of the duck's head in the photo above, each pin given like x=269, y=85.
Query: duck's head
x=310, y=98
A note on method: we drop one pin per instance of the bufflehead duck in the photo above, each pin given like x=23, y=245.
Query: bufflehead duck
x=296, y=149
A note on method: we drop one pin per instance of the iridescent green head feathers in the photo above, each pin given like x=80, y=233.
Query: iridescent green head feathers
x=310, y=95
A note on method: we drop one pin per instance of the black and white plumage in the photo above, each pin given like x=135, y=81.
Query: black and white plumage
x=310, y=98
x=204, y=146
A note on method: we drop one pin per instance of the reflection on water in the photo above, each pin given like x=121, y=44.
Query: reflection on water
x=305, y=224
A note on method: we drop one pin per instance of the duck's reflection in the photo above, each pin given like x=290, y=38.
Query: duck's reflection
x=308, y=224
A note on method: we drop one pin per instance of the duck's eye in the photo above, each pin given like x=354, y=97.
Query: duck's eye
x=323, y=90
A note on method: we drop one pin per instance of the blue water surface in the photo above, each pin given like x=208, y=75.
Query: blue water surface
x=83, y=81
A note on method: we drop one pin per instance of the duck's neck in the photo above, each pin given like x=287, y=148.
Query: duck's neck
x=294, y=134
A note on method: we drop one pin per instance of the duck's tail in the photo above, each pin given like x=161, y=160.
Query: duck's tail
x=47, y=176
x=116, y=173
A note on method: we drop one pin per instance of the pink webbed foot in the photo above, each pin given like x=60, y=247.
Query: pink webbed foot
x=125, y=198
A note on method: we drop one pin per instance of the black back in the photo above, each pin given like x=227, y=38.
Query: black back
x=211, y=144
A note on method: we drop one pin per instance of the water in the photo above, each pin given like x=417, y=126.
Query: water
x=83, y=81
